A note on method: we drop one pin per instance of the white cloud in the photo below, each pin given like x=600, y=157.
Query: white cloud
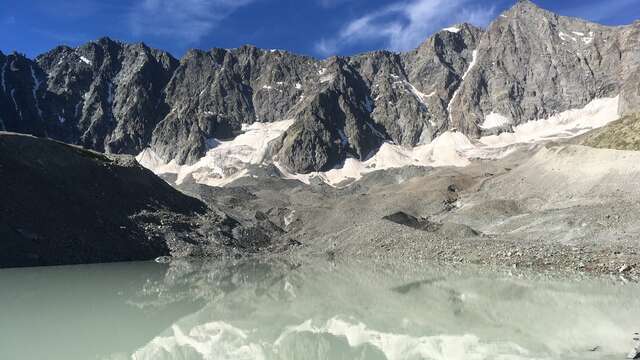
x=404, y=25
x=186, y=20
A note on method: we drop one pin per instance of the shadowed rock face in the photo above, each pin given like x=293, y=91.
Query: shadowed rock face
x=61, y=204
x=120, y=98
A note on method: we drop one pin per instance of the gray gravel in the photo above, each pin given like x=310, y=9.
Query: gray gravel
x=521, y=211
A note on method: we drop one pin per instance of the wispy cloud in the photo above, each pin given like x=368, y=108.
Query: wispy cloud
x=331, y=3
x=404, y=25
x=9, y=20
x=185, y=20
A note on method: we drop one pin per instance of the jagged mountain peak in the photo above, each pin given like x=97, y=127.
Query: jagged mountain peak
x=520, y=5
x=118, y=97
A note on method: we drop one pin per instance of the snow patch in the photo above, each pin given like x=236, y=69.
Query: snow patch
x=61, y=119
x=15, y=103
x=34, y=90
x=452, y=29
x=564, y=37
x=326, y=78
x=76, y=111
x=570, y=123
x=578, y=33
x=455, y=149
x=298, y=86
x=495, y=120
x=418, y=94
x=445, y=150
x=226, y=160
x=474, y=58
x=2, y=76
x=85, y=60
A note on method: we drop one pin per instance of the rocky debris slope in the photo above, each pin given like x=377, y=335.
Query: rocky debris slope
x=62, y=204
x=543, y=206
x=122, y=98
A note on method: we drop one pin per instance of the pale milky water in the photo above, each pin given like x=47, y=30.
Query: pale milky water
x=311, y=310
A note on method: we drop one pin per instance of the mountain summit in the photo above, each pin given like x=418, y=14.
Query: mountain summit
x=124, y=98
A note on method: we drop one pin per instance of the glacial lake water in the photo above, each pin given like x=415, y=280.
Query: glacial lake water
x=281, y=309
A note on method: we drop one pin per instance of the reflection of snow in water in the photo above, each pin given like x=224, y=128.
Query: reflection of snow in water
x=352, y=312
x=219, y=340
x=215, y=340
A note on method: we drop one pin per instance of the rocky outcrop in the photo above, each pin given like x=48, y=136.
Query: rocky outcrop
x=121, y=98
x=106, y=95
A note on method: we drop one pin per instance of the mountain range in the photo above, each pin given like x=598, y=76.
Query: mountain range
x=121, y=98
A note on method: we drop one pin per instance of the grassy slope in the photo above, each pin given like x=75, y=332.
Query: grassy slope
x=623, y=134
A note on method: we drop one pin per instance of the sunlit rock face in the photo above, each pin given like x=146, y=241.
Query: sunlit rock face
x=528, y=64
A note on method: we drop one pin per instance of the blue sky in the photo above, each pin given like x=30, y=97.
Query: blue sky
x=314, y=27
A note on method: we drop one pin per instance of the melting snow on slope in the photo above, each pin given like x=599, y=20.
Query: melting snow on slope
x=597, y=113
x=2, y=72
x=474, y=58
x=455, y=149
x=226, y=160
x=85, y=60
x=34, y=90
x=495, y=120
x=445, y=150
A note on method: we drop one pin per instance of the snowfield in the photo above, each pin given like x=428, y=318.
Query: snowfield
x=227, y=161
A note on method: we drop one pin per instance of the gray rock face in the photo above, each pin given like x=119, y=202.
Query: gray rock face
x=532, y=63
x=104, y=95
x=211, y=94
x=107, y=95
x=528, y=64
